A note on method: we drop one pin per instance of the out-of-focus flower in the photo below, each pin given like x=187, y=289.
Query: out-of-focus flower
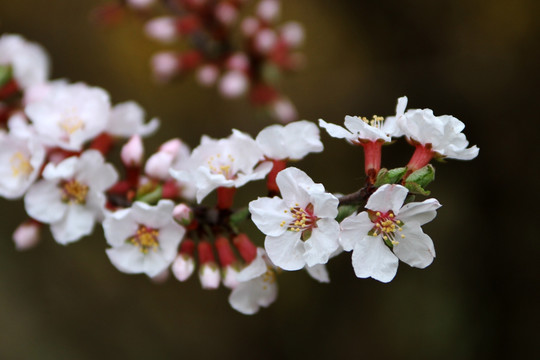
x=127, y=119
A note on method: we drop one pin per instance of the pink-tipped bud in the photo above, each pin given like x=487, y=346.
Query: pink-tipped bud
x=226, y=13
x=265, y=40
x=284, y=111
x=172, y=146
x=183, y=266
x=293, y=34
x=27, y=235
x=230, y=277
x=245, y=247
x=140, y=4
x=207, y=75
x=164, y=66
x=158, y=165
x=183, y=214
x=238, y=61
x=209, y=276
x=268, y=10
x=132, y=152
x=249, y=26
x=162, y=29
x=233, y=84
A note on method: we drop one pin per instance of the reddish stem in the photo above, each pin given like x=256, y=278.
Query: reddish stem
x=372, y=158
x=271, y=181
x=225, y=197
x=421, y=157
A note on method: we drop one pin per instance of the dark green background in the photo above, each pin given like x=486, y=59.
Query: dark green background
x=476, y=60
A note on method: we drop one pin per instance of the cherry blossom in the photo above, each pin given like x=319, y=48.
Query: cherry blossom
x=389, y=231
x=71, y=195
x=143, y=238
x=300, y=228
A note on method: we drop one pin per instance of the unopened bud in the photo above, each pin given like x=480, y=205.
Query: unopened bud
x=171, y=146
x=225, y=252
x=209, y=276
x=249, y=26
x=207, y=75
x=183, y=266
x=265, y=40
x=140, y=4
x=233, y=84
x=183, y=214
x=158, y=165
x=132, y=152
x=226, y=13
x=268, y=10
x=26, y=236
x=293, y=34
x=238, y=61
x=164, y=65
x=230, y=277
x=284, y=111
x=162, y=29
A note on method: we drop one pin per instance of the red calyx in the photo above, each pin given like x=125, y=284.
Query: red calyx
x=225, y=252
x=247, y=250
x=206, y=255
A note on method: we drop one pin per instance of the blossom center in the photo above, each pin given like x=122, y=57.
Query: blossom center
x=387, y=226
x=74, y=191
x=20, y=165
x=269, y=277
x=222, y=165
x=71, y=123
x=302, y=218
x=375, y=121
x=145, y=239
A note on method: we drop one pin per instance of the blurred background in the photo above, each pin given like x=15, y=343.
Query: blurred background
x=476, y=60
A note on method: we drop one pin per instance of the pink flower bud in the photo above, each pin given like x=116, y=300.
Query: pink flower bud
x=226, y=13
x=268, y=10
x=238, y=61
x=162, y=29
x=249, y=26
x=293, y=34
x=183, y=266
x=26, y=236
x=183, y=214
x=284, y=111
x=158, y=165
x=209, y=276
x=172, y=146
x=165, y=65
x=233, y=84
x=245, y=247
x=132, y=152
x=207, y=75
x=265, y=41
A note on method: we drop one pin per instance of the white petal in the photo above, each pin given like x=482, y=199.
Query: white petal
x=154, y=262
x=325, y=205
x=255, y=269
x=118, y=227
x=43, y=202
x=301, y=138
x=293, y=184
x=372, y=258
x=364, y=131
x=286, y=250
x=126, y=258
x=416, y=248
x=353, y=229
x=387, y=197
x=78, y=222
x=249, y=296
x=419, y=212
x=319, y=273
x=336, y=131
x=322, y=243
x=268, y=214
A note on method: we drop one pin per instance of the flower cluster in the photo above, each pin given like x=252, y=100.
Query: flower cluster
x=55, y=142
x=263, y=48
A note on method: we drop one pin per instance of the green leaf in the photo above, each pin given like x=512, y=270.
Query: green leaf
x=345, y=211
x=415, y=188
x=5, y=74
x=391, y=176
x=423, y=176
x=239, y=216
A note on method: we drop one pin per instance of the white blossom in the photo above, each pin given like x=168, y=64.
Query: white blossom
x=28, y=60
x=389, y=231
x=127, y=119
x=143, y=238
x=229, y=162
x=292, y=141
x=301, y=228
x=71, y=195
